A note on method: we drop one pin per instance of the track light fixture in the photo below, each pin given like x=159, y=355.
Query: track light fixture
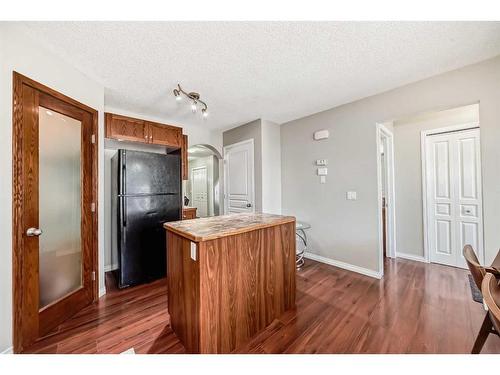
x=194, y=97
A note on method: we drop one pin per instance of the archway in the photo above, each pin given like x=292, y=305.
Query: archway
x=204, y=186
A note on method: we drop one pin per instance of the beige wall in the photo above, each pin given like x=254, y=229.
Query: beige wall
x=408, y=172
x=271, y=167
x=18, y=52
x=347, y=231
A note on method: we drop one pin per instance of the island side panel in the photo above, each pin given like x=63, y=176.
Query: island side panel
x=247, y=281
x=183, y=279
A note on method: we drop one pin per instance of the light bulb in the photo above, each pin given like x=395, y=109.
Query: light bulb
x=177, y=95
x=193, y=107
x=205, y=113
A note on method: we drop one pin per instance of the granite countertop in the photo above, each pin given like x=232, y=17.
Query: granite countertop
x=210, y=228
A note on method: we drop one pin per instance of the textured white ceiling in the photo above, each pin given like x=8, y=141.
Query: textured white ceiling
x=278, y=71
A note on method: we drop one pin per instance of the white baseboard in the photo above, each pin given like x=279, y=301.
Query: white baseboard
x=345, y=266
x=102, y=291
x=110, y=267
x=9, y=350
x=416, y=258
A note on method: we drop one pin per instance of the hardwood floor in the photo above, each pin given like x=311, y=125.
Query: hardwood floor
x=416, y=308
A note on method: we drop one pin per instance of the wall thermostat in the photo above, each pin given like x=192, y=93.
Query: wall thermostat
x=321, y=134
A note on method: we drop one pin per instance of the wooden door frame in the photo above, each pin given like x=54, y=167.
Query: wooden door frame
x=425, y=188
x=18, y=281
x=382, y=131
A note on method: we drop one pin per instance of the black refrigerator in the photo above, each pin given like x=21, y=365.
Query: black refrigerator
x=146, y=192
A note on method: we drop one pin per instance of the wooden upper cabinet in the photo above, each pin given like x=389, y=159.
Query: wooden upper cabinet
x=184, y=155
x=137, y=130
x=126, y=128
x=167, y=135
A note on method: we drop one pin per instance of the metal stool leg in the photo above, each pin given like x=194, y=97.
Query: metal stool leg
x=299, y=259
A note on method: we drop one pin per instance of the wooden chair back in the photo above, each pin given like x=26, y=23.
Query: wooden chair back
x=491, y=295
x=477, y=271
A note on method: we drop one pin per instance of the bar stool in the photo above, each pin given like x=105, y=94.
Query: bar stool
x=300, y=231
x=476, y=278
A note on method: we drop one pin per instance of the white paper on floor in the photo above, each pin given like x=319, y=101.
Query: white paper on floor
x=129, y=351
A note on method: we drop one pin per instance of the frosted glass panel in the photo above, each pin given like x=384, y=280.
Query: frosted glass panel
x=60, y=212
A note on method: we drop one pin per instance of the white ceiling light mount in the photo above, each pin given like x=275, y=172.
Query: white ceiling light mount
x=194, y=97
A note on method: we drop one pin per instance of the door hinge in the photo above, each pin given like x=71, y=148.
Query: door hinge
x=93, y=138
x=93, y=275
x=92, y=207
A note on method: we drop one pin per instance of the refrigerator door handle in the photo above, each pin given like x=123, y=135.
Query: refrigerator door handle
x=123, y=211
x=123, y=179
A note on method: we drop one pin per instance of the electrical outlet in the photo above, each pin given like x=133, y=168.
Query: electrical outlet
x=352, y=195
x=321, y=162
x=193, y=251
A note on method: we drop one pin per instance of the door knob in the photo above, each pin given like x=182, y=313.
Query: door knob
x=249, y=205
x=33, y=232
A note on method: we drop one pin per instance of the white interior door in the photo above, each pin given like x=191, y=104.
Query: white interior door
x=454, y=201
x=239, y=177
x=199, y=186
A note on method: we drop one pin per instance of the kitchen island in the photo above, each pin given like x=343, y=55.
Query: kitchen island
x=228, y=278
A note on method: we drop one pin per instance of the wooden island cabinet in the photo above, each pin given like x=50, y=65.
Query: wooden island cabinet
x=228, y=278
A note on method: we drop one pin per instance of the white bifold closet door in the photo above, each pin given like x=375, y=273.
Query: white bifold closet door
x=454, y=201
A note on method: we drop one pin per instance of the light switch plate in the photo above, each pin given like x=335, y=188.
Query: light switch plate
x=322, y=171
x=322, y=179
x=193, y=251
x=352, y=195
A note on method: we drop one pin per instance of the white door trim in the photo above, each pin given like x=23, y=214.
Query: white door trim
x=391, y=209
x=226, y=173
x=423, y=153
